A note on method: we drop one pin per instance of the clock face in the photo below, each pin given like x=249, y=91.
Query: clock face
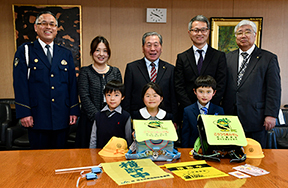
x=156, y=15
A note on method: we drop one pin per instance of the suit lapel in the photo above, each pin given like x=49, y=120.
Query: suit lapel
x=211, y=109
x=161, y=70
x=143, y=69
x=40, y=53
x=195, y=109
x=191, y=58
x=207, y=60
x=255, y=56
x=234, y=66
x=56, y=56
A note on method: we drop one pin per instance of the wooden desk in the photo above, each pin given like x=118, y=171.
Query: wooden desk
x=36, y=168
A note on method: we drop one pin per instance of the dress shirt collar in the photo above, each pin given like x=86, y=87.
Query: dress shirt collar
x=200, y=107
x=145, y=114
x=204, y=49
x=43, y=44
x=118, y=110
x=149, y=62
x=249, y=52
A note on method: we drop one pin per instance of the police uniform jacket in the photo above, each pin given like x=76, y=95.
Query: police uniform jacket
x=47, y=92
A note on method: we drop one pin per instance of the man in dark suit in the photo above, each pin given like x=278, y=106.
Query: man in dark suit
x=200, y=59
x=253, y=84
x=45, y=87
x=138, y=73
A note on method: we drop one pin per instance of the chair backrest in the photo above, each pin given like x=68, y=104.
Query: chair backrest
x=5, y=112
x=5, y=118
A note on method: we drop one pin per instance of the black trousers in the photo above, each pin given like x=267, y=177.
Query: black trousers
x=259, y=136
x=48, y=139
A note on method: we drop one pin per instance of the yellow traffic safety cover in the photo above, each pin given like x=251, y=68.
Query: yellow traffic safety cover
x=222, y=130
x=154, y=130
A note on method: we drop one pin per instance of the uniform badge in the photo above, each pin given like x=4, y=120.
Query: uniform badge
x=36, y=60
x=16, y=61
x=63, y=62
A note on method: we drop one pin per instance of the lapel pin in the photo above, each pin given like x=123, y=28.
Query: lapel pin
x=63, y=62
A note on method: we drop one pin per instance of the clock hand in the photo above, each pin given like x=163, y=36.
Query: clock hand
x=155, y=15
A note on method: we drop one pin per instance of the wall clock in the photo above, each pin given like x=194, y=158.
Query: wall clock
x=156, y=15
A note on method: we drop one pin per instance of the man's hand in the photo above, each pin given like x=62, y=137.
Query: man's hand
x=73, y=120
x=27, y=121
x=269, y=122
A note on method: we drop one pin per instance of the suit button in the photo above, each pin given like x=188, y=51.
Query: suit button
x=52, y=75
x=65, y=69
x=53, y=100
x=52, y=87
x=34, y=68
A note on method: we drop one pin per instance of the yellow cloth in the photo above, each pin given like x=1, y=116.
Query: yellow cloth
x=134, y=171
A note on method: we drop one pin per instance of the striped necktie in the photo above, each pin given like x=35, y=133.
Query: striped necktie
x=243, y=67
x=153, y=73
x=205, y=110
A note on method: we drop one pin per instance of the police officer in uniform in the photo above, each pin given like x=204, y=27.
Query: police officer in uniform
x=45, y=86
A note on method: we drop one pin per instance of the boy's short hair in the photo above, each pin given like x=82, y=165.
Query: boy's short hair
x=114, y=85
x=205, y=81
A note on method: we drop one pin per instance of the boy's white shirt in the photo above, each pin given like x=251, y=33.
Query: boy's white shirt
x=200, y=107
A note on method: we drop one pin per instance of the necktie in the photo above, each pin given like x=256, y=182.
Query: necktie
x=153, y=73
x=48, y=54
x=109, y=113
x=205, y=110
x=243, y=67
x=200, y=61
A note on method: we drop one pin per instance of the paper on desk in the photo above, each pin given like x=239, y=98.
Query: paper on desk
x=194, y=170
x=252, y=170
x=134, y=171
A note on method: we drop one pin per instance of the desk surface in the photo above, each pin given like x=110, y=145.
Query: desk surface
x=36, y=168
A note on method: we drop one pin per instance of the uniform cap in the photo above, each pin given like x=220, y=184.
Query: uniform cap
x=116, y=147
x=253, y=149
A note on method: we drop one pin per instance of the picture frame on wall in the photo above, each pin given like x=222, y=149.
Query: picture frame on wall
x=222, y=35
x=69, y=26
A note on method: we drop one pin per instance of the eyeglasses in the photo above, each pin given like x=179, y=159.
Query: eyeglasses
x=247, y=33
x=52, y=24
x=203, y=30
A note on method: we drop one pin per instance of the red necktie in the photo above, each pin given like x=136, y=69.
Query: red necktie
x=153, y=73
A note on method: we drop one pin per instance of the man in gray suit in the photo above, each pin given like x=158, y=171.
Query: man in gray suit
x=253, y=85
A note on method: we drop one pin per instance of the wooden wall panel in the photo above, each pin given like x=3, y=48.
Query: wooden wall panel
x=124, y=22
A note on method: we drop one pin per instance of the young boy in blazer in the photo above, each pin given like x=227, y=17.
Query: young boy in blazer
x=205, y=89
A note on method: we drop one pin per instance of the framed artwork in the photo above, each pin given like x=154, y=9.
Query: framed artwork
x=69, y=26
x=222, y=32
